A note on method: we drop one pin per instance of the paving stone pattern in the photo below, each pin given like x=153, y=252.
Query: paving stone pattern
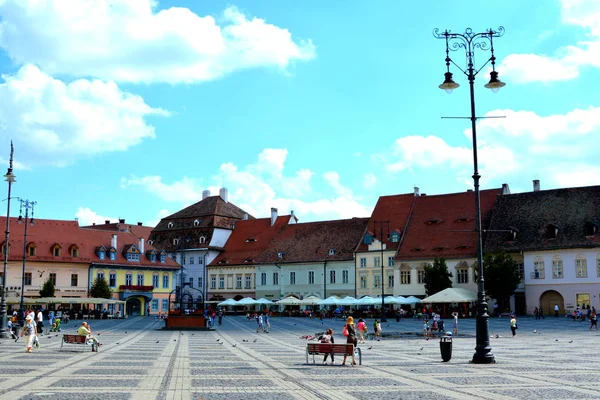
x=138, y=360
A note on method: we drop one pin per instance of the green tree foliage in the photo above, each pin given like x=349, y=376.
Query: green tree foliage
x=437, y=277
x=501, y=276
x=47, y=289
x=100, y=289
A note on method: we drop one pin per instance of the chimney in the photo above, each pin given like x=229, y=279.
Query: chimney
x=121, y=221
x=141, y=246
x=416, y=191
x=245, y=217
x=107, y=222
x=223, y=194
x=205, y=194
x=273, y=215
x=139, y=224
x=536, y=185
x=505, y=189
x=113, y=241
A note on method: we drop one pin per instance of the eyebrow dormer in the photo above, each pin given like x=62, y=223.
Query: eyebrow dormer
x=590, y=229
x=552, y=231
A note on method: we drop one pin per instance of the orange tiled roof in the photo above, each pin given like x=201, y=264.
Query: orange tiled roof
x=139, y=230
x=444, y=225
x=46, y=233
x=249, y=240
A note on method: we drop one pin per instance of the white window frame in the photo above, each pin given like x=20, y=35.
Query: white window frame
x=462, y=275
x=292, y=277
x=581, y=268
x=363, y=262
x=345, y=276
x=263, y=278
x=558, y=271
x=363, y=281
x=311, y=277
x=332, y=276
x=405, y=276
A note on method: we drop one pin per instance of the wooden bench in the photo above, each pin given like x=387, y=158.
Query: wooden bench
x=77, y=340
x=343, y=349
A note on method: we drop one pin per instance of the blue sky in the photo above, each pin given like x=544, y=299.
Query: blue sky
x=130, y=109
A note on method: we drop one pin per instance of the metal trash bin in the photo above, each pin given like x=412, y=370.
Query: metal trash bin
x=446, y=347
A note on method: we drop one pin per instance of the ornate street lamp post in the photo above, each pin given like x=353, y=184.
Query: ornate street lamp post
x=381, y=236
x=469, y=42
x=25, y=204
x=10, y=178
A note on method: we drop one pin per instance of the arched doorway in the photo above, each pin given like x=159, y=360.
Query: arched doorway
x=134, y=306
x=549, y=299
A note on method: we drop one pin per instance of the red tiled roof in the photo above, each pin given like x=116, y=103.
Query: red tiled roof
x=140, y=231
x=312, y=241
x=249, y=240
x=396, y=209
x=46, y=233
x=444, y=225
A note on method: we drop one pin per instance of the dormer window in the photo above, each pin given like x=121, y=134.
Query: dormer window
x=434, y=221
x=281, y=255
x=552, y=231
x=590, y=229
x=202, y=240
x=196, y=223
x=163, y=257
x=112, y=253
x=248, y=260
x=250, y=240
x=439, y=248
x=170, y=225
x=395, y=237
x=31, y=249
x=368, y=239
x=223, y=262
x=332, y=252
x=152, y=257
x=417, y=249
x=150, y=242
x=176, y=241
x=56, y=250
x=462, y=247
x=74, y=250
x=462, y=219
x=133, y=254
x=101, y=252
x=513, y=233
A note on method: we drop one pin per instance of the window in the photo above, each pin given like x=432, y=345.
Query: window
x=538, y=269
x=196, y=223
x=583, y=299
x=275, y=278
x=163, y=258
x=377, y=262
x=581, y=268
x=376, y=281
x=395, y=237
x=332, y=276
x=100, y=275
x=191, y=260
x=191, y=281
x=332, y=252
x=128, y=279
x=263, y=278
x=421, y=276
x=405, y=276
x=248, y=282
x=200, y=283
x=165, y=305
x=521, y=268
x=311, y=277
x=363, y=262
x=31, y=249
x=363, y=282
x=462, y=275
x=155, y=305
x=390, y=281
x=131, y=256
x=27, y=278
x=74, y=280
x=221, y=282
x=170, y=225
x=202, y=240
x=557, y=268
x=213, y=282
x=175, y=241
x=152, y=257
x=390, y=261
x=140, y=280
x=200, y=261
x=113, y=254
x=292, y=278
x=345, y=276
x=238, y=282
x=165, y=284
x=155, y=281
x=74, y=252
x=112, y=279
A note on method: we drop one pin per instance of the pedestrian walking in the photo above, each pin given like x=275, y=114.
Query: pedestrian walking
x=350, y=333
x=536, y=312
x=556, y=310
x=513, y=325
x=593, y=320
x=28, y=332
x=455, y=323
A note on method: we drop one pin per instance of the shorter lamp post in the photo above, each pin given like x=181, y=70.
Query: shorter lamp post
x=25, y=204
x=10, y=178
x=381, y=225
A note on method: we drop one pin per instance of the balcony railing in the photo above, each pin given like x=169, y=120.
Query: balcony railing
x=139, y=288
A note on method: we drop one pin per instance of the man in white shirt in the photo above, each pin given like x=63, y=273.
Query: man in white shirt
x=39, y=319
x=556, y=310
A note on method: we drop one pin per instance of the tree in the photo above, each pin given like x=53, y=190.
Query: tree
x=100, y=289
x=437, y=277
x=47, y=289
x=501, y=275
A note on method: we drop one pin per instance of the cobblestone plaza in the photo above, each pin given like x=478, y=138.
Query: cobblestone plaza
x=552, y=358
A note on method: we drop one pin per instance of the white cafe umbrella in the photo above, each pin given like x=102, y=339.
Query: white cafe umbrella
x=413, y=300
x=228, y=302
x=392, y=300
x=348, y=301
x=330, y=301
x=310, y=301
x=289, y=301
x=247, y=301
x=368, y=301
x=264, y=301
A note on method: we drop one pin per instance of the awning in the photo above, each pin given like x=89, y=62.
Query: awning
x=451, y=295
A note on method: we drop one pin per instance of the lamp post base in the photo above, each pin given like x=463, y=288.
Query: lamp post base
x=4, y=333
x=483, y=350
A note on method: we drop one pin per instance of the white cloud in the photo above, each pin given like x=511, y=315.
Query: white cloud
x=132, y=41
x=577, y=175
x=369, y=181
x=426, y=151
x=566, y=62
x=159, y=215
x=256, y=189
x=54, y=123
x=86, y=216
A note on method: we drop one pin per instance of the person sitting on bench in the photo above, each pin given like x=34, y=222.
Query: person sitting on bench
x=86, y=330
